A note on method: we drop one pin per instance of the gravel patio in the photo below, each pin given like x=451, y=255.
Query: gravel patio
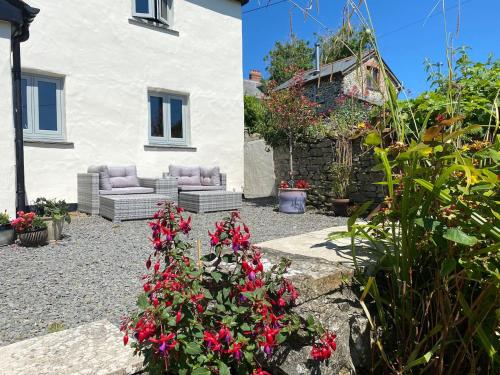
x=94, y=272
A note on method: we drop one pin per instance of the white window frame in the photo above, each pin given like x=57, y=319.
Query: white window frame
x=166, y=19
x=33, y=132
x=167, y=125
x=150, y=14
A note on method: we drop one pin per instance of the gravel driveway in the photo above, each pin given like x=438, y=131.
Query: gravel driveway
x=94, y=272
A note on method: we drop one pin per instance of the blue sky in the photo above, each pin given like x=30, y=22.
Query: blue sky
x=404, y=38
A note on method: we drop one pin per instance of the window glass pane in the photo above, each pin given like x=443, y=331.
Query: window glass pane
x=176, y=118
x=24, y=95
x=47, y=106
x=156, y=104
x=142, y=6
x=164, y=9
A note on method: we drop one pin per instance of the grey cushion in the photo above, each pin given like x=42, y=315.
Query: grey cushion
x=125, y=191
x=123, y=177
x=185, y=175
x=104, y=182
x=210, y=176
x=199, y=188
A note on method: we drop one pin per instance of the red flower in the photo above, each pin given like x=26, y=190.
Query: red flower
x=259, y=371
x=321, y=352
x=441, y=117
x=211, y=341
x=284, y=185
x=125, y=340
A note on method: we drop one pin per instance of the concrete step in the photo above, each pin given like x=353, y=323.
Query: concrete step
x=91, y=349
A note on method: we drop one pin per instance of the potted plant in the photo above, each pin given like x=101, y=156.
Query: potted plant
x=54, y=213
x=341, y=179
x=293, y=196
x=347, y=122
x=6, y=231
x=292, y=118
x=31, y=229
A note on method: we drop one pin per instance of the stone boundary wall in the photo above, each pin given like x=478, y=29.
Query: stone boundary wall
x=312, y=162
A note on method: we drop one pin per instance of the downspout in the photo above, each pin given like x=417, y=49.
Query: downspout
x=18, y=124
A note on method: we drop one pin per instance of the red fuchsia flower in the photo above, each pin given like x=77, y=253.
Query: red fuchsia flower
x=224, y=334
x=166, y=343
x=321, y=352
x=236, y=351
x=259, y=371
x=148, y=263
x=211, y=341
x=214, y=239
x=146, y=287
x=235, y=215
x=178, y=317
x=155, y=302
x=329, y=339
x=125, y=340
x=269, y=341
x=157, y=266
x=144, y=329
x=185, y=225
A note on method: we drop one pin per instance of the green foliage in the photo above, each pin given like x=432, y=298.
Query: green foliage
x=433, y=296
x=288, y=58
x=344, y=43
x=57, y=210
x=4, y=218
x=255, y=114
x=56, y=327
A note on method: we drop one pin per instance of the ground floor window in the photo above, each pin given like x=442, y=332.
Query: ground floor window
x=42, y=107
x=168, y=119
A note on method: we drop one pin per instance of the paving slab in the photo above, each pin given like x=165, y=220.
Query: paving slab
x=91, y=349
x=317, y=245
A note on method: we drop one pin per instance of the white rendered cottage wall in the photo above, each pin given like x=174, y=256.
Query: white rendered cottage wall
x=7, y=149
x=109, y=64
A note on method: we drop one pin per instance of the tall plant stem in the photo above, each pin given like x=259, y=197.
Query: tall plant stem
x=290, y=146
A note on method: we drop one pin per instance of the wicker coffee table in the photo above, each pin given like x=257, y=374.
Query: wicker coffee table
x=209, y=201
x=129, y=207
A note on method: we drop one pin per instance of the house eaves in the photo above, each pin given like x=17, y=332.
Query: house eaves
x=19, y=14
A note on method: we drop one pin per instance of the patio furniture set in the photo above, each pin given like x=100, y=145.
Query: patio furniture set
x=117, y=193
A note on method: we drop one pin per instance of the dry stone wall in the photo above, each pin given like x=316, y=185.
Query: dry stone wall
x=312, y=162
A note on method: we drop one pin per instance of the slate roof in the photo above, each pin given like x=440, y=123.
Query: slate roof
x=251, y=88
x=342, y=66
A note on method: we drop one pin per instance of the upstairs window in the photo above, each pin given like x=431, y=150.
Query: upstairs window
x=42, y=108
x=373, y=78
x=154, y=10
x=168, y=123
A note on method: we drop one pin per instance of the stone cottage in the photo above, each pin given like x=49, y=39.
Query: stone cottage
x=357, y=78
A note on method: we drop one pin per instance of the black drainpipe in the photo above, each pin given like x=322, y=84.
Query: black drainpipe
x=18, y=124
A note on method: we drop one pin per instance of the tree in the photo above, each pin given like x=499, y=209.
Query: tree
x=292, y=116
x=255, y=114
x=344, y=43
x=287, y=58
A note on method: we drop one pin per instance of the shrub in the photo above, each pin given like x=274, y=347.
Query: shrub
x=222, y=314
x=4, y=219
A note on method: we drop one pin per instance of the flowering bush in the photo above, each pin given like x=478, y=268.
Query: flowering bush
x=27, y=222
x=224, y=314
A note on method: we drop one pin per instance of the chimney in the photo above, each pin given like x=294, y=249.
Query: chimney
x=255, y=75
x=317, y=58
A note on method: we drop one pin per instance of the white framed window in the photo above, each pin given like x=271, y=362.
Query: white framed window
x=143, y=8
x=42, y=107
x=155, y=10
x=168, y=119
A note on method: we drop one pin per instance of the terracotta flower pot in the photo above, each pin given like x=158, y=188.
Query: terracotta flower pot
x=340, y=206
x=292, y=201
x=54, y=228
x=34, y=239
x=6, y=235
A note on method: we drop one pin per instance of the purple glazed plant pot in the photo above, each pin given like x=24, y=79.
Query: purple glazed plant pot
x=292, y=201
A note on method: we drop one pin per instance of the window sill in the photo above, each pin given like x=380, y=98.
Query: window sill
x=152, y=147
x=152, y=25
x=48, y=143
